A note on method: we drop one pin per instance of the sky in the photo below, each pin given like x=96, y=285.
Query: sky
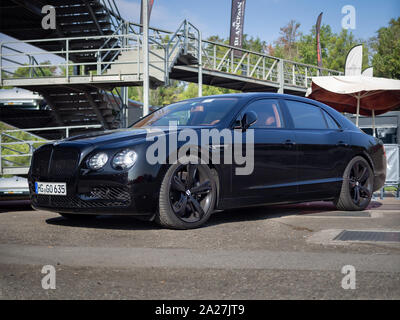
x=263, y=18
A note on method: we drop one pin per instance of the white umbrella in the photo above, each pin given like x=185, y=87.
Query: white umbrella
x=368, y=96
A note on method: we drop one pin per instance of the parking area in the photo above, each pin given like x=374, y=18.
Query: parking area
x=273, y=252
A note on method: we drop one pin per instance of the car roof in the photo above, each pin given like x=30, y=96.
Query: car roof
x=246, y=96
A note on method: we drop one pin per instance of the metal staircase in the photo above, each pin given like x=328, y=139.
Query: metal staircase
x=93, y=51
x=84, y=22
x=74, y=18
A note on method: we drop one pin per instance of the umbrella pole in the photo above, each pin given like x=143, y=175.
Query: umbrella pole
x=373, y=123
x=358, y=109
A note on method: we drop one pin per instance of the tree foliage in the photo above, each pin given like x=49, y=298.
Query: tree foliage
x=386, y=45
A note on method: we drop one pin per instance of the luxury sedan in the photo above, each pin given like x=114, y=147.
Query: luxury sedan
x=189, y=159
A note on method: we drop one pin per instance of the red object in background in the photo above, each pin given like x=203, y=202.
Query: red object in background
x=318, y=36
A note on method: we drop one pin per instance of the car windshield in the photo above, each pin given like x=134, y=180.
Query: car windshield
x=199, y=112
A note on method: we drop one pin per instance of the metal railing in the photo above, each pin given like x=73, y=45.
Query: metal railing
x=225, y=58
x=63, y=67
x=18, y=145
x=163, y=47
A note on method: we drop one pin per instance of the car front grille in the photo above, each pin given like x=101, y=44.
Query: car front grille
x=52, y=162
x=40, y=161
x=98, y=197
x=63, y=162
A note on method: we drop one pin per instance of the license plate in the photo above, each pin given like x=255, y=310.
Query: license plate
x=51, y=188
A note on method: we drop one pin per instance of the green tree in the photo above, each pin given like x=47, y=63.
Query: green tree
x=386, y=61
x=288, y=40
x=27, y=72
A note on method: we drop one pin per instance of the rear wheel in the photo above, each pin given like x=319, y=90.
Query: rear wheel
x=358, y=180
x=187, y=196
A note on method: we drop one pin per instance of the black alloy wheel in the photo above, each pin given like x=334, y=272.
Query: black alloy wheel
x=187, y=196
x=357, y=186
x=190, y=193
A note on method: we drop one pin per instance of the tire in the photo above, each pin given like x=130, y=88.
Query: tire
x=356, y=191
x=74, y=216
x=181, y=196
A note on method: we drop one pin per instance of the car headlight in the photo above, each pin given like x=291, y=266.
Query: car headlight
x=124, y=159
x=97, y=161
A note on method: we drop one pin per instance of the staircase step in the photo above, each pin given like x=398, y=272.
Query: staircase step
x=78, y=9
x=86, y=27
x=82, y=17
x=71, y=2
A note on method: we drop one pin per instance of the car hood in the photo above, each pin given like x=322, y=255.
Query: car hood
x=121, y=135
x=111, y=136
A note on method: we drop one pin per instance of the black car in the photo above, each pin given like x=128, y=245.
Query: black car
x=282, y=149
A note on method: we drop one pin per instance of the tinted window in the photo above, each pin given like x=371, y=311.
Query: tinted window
x=196, y=112
x=329, y=120
x=268, y=113
x=306, y=116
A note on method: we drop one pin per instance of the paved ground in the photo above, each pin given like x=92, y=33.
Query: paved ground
x=258, y=253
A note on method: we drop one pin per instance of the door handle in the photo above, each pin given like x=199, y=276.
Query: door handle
x=342, y=144
x=289, y=143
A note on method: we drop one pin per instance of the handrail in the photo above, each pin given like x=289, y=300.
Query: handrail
x=29, y=143
x=217, y=56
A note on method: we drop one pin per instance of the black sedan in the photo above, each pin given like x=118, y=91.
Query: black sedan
x=182, y=162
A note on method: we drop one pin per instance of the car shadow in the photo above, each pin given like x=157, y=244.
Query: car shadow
x=222, y=217
x=105, y=222
x=282, y=210
x=15, y=205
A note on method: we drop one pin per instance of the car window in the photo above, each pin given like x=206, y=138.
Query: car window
x=330, y=121
x=306, y=116
x=332, y=124
x=195, y=112
x=268, y=113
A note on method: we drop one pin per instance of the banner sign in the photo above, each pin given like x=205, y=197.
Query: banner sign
x=393, y=163
x=237, y=21
x=354, y=59
x=318, y=37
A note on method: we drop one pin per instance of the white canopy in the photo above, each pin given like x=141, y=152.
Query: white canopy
x=355, y=84
x=356, y=94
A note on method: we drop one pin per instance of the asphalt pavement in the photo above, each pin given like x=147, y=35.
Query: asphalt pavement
x=270, y=252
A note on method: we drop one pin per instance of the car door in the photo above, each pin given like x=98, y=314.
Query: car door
x=322, y=149
x=274, y=176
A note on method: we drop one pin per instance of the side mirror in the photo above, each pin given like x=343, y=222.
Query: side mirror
x=248, y=119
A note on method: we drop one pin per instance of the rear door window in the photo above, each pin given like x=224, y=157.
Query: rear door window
x=330, y=121
x=305, y=115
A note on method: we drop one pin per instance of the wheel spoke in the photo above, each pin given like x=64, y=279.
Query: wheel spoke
x=364, y=175
x=191, y=170
x=365, y=193
x=202, y=188
x=352, y=183
x=180, y=206
x=356, y=197
x=197, y=206
x=357, y=171
x=177, y=184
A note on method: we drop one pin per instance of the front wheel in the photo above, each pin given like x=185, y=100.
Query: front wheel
x=187, y=196
x=357, y=186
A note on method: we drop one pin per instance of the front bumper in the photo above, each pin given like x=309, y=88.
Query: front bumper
x=102, y=194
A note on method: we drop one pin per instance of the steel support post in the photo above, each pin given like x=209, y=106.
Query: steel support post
x=281, y=77
x=200, y=72
x=146, y=80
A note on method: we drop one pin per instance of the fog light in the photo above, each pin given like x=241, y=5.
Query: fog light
x=124, y=159
x=97, y=161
